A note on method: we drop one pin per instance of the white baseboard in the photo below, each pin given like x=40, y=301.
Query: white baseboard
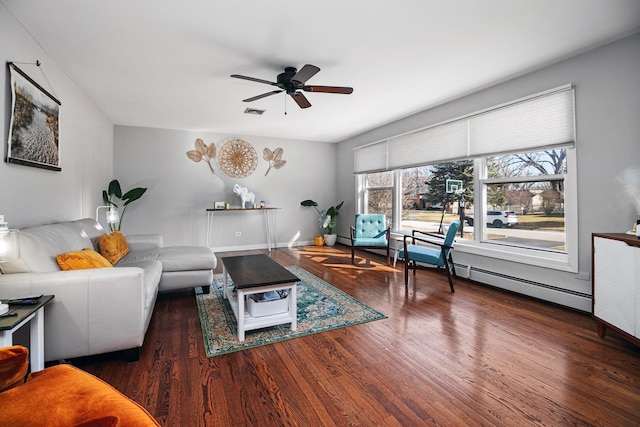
x=546, y=292
x=259, y=246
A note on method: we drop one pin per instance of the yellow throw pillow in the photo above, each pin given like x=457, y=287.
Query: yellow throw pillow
x=113, y=246
x=81, y=260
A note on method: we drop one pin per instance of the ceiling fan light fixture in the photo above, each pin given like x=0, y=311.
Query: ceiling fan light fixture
x=254, y=111
x=292, y=81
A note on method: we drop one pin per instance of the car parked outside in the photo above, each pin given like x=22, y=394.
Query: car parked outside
x=497, y=219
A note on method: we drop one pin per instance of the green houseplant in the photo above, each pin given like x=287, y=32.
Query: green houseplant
x=326, y=218
x=114, y=191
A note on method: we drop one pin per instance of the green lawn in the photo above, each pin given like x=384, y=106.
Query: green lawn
x=540, y=221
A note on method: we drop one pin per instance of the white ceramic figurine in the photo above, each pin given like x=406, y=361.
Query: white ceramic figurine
x=245, y=195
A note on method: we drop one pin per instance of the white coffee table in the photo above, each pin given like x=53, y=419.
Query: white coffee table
x=252, y=274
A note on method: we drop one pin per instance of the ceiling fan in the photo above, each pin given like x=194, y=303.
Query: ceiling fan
x=293, y=81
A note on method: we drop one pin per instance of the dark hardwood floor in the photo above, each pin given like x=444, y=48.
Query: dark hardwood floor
x=480, y=356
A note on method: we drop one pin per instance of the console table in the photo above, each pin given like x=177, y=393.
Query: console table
x=17, y=317
x=269, y=221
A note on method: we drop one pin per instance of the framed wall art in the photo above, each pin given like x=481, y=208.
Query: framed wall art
x=33, y=129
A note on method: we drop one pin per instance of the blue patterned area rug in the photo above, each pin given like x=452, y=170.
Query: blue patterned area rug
x=321, y=307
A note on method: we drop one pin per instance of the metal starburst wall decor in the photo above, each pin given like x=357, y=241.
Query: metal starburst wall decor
x=237, y=158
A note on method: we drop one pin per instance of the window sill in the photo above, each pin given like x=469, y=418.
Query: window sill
x=551, y=260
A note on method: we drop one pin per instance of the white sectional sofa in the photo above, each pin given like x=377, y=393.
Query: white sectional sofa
x=100, y=310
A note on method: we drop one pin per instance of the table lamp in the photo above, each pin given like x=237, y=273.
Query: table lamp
x=9, y=243
x=9, y=249
x=112, y=215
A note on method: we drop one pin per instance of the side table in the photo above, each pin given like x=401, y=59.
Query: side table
x=33, y=314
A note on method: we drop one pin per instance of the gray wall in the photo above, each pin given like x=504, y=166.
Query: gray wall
x=31, y=196
x=179, y=190
x=608, y=148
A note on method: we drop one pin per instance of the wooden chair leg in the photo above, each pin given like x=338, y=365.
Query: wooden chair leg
x=406, y=271
x=450, y=281
x=453, y=267
x=352, y=255
x=448, y=266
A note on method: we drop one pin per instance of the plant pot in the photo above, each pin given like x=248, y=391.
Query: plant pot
x=330, y=239
x=318, y=241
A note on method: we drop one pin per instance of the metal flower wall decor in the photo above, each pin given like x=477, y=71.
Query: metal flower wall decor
x=203, y=151
x=274, y=158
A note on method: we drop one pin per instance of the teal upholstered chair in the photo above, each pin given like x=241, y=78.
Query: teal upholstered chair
x=430, y=249
x=370, y=231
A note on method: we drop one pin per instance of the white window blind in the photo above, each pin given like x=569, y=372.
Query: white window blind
x=370, y=158
x=538, y=121
x=544, y=121
x=443, y=142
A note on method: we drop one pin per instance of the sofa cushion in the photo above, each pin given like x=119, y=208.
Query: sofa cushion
x=81, y=260
x=39, y=245
x=134, y=257
x=92, y=229
x=113, y=246
x=15, y=266
x=186, y=258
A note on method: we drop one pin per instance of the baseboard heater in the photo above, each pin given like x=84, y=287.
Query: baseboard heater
x=551, y=293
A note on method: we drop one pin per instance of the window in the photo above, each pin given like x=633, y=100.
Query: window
x=524, y=196
x=426, y=205
x=379, y=194
x=516, y=164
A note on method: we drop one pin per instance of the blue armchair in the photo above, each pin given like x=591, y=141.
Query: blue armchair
x=371, y=232
x=438, y=254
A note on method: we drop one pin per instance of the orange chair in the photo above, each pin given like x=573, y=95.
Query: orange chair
x=61, y=396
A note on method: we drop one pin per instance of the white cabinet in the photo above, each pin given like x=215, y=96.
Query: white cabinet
x=616, y=284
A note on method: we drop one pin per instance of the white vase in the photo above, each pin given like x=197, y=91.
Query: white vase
x=330, y=239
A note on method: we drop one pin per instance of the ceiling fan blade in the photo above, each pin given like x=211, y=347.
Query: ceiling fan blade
x=300, y=99
x=264, y=95
x=305, y=73
x=253, y=79
x=328, y=89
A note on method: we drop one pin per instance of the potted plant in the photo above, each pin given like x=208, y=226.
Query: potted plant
x=114, y=191
x=326, y=219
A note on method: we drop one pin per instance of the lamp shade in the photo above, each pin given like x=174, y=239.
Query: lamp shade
x=112, y=214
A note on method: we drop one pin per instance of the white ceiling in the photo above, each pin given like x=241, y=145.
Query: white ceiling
x=166, y=63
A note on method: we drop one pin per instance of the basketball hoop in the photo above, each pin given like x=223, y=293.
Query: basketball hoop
x=454, y=186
